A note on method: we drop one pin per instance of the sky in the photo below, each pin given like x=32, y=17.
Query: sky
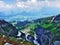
x=28, y=9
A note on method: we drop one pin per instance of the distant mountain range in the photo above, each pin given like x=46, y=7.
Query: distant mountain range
x=47, y=19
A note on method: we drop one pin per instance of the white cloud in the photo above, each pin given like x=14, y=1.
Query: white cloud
x=21, y=5
x=2, y=4
x=54, y=4
x=5, y=7
x=33, y=1
x=35, y=5
x=29, y=5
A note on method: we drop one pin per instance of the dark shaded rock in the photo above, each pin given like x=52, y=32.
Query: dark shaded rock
x=23, y=35
x=58, y=38
x=39, y=40
x=44, y=37
x=38, y=20
x=58, y=27
x=19, y=23
x=57, y=17
x=39, y=30
x=4, y=26
x=30, y=38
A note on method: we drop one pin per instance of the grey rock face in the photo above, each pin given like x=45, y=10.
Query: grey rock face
x=7, y=29
x=57, y=43
x=44, y=36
